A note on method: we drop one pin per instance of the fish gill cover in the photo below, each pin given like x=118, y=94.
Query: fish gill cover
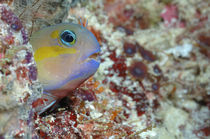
x=153, y=81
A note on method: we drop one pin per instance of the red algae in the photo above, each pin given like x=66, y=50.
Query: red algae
x=21, y=73
x=141, y=103
x=61, y=120
x=205, y=131
x=8, y=40
x=114, y=87
x=119, y=67
x=204, y=44
x=139, y=98
x=204, y=40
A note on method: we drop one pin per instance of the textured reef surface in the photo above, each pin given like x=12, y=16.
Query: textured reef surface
x=153, y=81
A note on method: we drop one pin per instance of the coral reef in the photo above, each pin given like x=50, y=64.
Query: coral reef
x=18, y=85
x=153, y=81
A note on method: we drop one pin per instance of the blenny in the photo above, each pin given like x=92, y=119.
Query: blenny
x=66, y=56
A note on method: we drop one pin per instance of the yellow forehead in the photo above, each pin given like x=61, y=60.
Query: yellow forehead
x=54, y=34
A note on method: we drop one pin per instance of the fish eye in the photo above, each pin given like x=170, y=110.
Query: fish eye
x=68, y=38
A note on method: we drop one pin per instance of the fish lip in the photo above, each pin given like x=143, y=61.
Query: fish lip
x=92, y=56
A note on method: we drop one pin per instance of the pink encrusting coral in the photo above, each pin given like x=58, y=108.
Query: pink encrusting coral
x=170, y=14
x=171, y=17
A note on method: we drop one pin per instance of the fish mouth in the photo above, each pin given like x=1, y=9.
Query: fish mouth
x=83, y=69
x=92, y=56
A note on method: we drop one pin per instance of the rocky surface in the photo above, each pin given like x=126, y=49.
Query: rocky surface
x=153, y=81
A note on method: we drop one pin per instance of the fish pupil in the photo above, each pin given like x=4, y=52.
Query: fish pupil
x=69, y=38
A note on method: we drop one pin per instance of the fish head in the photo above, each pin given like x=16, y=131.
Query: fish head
x=66, y=55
